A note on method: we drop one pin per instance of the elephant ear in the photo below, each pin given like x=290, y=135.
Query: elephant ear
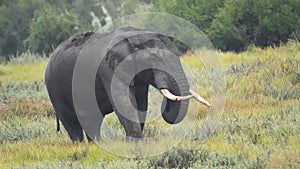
x=118, y=52
x=111, y=59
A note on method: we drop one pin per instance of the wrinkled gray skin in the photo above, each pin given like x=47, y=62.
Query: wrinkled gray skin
x=60, y=71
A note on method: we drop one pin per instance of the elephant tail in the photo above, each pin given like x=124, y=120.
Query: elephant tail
x=57, y=124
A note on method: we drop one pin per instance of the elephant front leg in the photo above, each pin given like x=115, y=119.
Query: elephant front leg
x=131, y=125
x=134, y=120
x=140, y=92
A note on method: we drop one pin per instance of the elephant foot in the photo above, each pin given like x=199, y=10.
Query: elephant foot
x=134, y=139
x=77, y=141
x=76, y=137
x=95, y=140
x=89, y=139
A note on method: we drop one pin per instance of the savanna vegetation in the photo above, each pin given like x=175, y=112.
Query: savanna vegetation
x=257, y=42
x=40, y=25
x=260, y=126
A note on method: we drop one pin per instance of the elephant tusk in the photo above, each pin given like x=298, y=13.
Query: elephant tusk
x=199, y=98
x=173, y=97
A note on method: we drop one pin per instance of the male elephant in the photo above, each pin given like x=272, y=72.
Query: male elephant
x=174, y=88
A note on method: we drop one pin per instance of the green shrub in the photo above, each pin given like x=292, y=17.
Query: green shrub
x=241, y=23
x=49, y=28
x=27, y=57
x=179, y=158
x=20, y=130
x=202, y=158
x=35, y=90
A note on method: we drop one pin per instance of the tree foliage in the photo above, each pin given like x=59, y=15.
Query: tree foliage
x=30, y=24
x=48, y=29
x=15, y=18
x=230, y=24
x=236, y=24
x=201, y=13
x=260, y=22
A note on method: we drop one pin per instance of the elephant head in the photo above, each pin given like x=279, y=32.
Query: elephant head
x=145, y=58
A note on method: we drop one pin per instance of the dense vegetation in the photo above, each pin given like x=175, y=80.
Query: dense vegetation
x=260, y=127
x=40, y=25
x=236, y=24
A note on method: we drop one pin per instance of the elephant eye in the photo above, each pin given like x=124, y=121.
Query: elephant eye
x=152, y=57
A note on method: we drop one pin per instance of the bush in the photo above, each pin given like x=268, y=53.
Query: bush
x=15, y=19
x=179, y=158
x=14, y=91
x=262, y=23
x=236, y=24
x=202, y=158
x=18, y=130
x=27, y=57
x=48, y=29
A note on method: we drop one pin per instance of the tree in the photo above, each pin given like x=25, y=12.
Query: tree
x=235, y=24
x=49, y=28
x=223, y=32
x=6, y=26
x=15, y=19
x=259, y=22
x=200, y=13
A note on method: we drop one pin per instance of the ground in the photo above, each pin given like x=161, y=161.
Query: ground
x=259, y=128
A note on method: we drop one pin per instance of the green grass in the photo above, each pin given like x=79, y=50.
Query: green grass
x=260, y=126
x=22, y=72
x=27, y=67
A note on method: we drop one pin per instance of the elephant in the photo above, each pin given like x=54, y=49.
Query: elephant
x=124, y=42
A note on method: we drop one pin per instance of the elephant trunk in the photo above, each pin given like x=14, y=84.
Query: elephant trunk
x=175, y=88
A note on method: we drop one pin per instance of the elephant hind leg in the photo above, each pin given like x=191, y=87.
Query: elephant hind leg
x=68, y=118
x=75, y=131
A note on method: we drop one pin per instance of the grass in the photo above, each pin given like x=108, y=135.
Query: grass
x=27, y=67
x=54, y=150
x=22, y=72
x=260, y=125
